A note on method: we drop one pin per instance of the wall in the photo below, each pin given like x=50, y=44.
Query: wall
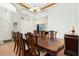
x=5, y=24
x=42, y=20
x=15, y=17
x=25, y=21
x=77, y=6
x=27, y=24
x=28, y=20
x=61, y=18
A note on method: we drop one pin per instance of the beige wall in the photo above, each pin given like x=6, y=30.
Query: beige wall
x=62, y=17
x=5, y=23
x=42, y=20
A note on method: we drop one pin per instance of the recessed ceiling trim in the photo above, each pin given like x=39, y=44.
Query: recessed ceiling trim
x=47, y=6
x=42, y=8
x=23, y=5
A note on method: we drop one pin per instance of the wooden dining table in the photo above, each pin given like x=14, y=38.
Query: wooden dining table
x=53, y=46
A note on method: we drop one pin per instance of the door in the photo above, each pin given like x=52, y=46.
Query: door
x=15, y=26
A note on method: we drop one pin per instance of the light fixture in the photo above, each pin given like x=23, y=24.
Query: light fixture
x=35, y=10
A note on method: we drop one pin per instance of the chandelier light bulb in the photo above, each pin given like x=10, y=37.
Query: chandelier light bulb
x=35, y=9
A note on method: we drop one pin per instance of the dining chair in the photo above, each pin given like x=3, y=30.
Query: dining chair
x=35, y=32
x=51, y=34
x=32, y=43
x=42, y=34
x=14, y=36
x=55, y=34
x=23, y=49
x=17, y=43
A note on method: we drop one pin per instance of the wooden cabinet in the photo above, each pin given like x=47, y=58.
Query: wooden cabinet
x=71, y=44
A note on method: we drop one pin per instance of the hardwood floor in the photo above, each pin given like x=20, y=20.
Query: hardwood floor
x=7, y=50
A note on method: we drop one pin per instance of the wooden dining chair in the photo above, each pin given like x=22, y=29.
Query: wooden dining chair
x=35, y=32
x=17, y=43
x=27, y=39
x=23, y=49
x=51, y=34
x=14, y=36
x=32, y=43
x=42, y=34
x=55, y=34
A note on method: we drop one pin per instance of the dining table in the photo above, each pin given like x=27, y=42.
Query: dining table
x=52, y=46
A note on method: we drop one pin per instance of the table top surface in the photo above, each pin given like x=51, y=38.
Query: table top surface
x=51, y=44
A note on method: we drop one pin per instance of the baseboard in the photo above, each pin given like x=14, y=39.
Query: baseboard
x=5, y=41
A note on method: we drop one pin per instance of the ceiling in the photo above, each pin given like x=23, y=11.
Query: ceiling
x=41, y=6
x=36, y=4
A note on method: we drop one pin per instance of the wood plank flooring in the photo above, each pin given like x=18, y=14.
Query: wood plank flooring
x=7, y=50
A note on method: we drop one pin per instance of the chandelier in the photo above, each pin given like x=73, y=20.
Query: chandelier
x=35, y=10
